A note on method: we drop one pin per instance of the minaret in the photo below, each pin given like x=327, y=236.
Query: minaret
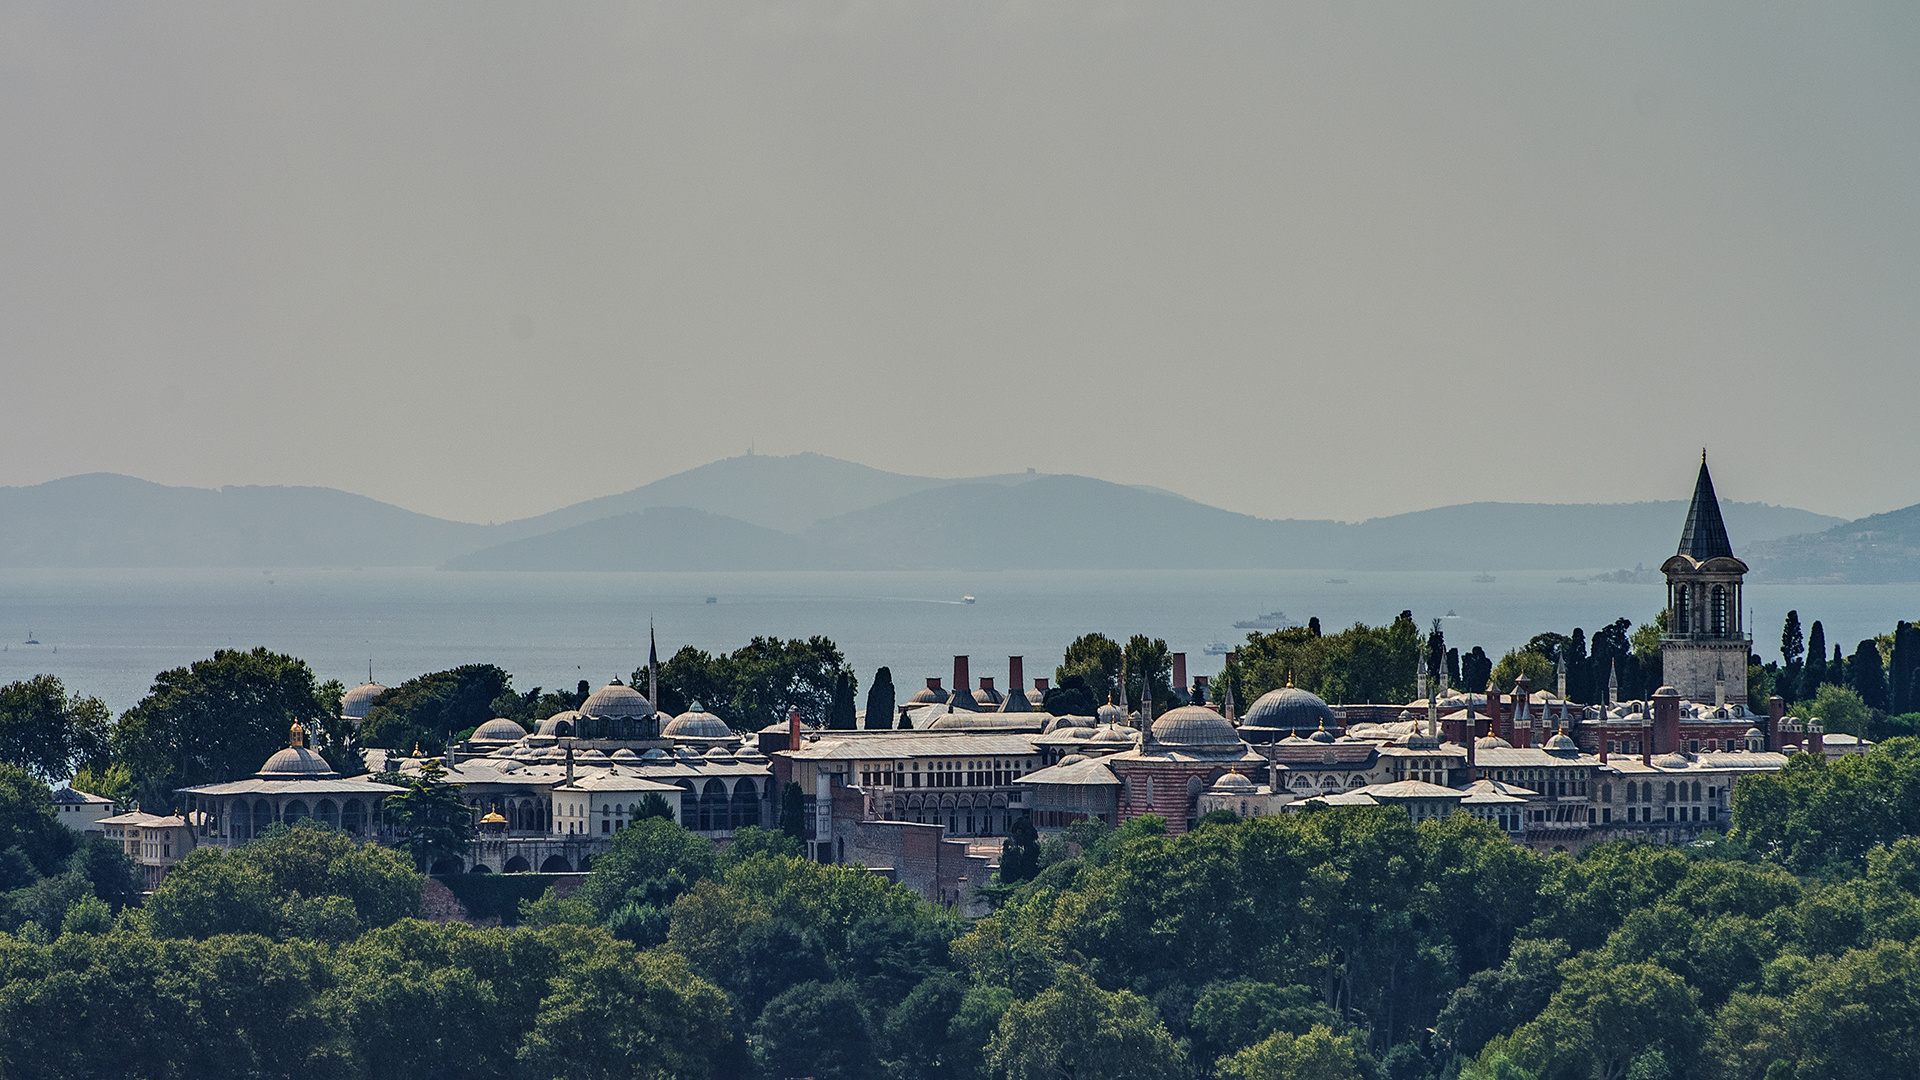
x=653, y=668
x=1226, y=689
x=1146, y=712
x=1560, y=671
x=1613, y=683
x=1420, y=678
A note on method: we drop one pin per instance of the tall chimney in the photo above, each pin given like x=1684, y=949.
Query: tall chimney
x=793, y=729
x=1016, y=686
x=1493, y=714
x=962, y=697
x=1179, y=673
x=939, y=692
x=1816, y=738
x=1776, y=709
x=1666, y=720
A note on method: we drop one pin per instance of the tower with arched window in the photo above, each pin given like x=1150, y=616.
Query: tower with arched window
x=1705, y=642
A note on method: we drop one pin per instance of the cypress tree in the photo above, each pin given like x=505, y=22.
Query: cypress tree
x=1815, y=671
x=1904, y=673
x=840, y=716
x=793, y=817
x=880, y=700
x=1866, y=676
x=1020, y=856
x=1793, y=647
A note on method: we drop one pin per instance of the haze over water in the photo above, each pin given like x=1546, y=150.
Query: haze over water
x=108, y=632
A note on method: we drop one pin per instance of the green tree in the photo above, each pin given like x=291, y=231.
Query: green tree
x=651, y=861
x=840, y=716
x=1076, y=1029
x=430, y=709
x=1606, y=1016
x=625, y=1015
x=48, y=733
x=1317, y=1055
x=214, y=720
x=1815, y=672
x=1866, y=676
x=303, y=880
x=1020, y=855
x=437, y=825
x=29, y=829
x=1793, y=652
x=881, y=700
x=1095, y=660
x=1230, y=1016
x=793, y=815
x=1538, y=669
x=817, y=1030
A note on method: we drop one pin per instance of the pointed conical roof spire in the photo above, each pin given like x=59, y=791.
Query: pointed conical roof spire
x=1705, y=536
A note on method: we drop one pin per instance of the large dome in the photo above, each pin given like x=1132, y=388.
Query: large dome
x=296, y=763
x=617, y=701
x=498, y=730
x=1290, y=707
x=356, y=703
x=696, y=723
x=1195, y=726
x=551, y=725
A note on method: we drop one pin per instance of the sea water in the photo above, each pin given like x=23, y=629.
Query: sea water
x=107, y=632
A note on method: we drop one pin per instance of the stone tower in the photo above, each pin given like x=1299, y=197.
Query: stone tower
x=1705, y=642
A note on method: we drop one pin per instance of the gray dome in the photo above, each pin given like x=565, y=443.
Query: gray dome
x=498, y=730
x=696, y=723
x=1233, y=781
x=1671, y=761
x=1194, y=725
x=551, y=725
x=1562, y=742
x=1071, y=759
x=929, y=695
x=296, y=763
x=356, y=703
x=1491, y=742
x=617, y=701
x=1290, y=707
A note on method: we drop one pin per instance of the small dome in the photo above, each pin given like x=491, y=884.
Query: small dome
x=1071, y=759
x=493, y=817
x=655, y=754
x=498, y=730
x=1666, y=691
x=625, y=755
x=1112, y=734
x=1233, y=782
x=1194, y=725
x=686, y=753
x=356, y=703
x=295, y=763
x=551, y=725
x=930, y=694
x=1671, y=761
x=749, y=756
x=1561, y=741
x=719, y=753
x=1321, y=735
x=509, y=765
x=1491, y=742
x=1755, y=733
x=1289, y=707
x=617, y=701
x=696, y=723
x=1110, y=714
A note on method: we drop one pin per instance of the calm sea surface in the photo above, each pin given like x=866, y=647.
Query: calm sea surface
x=106, y=632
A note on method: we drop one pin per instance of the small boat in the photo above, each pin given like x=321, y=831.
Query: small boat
x=1336, y=581
x=1483, y=579
x=713, y=599
x=31, y=640
x=1451, y=614
x=966, y=599
x=1571, y=581
x=1218, y=648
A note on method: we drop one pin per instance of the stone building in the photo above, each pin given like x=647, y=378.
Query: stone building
x=1704, y=652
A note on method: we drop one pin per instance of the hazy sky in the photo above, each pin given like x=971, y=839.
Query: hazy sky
x=486, y=259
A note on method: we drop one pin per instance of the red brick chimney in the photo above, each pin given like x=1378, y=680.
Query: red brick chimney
x=939, y=692
x=1016, y=674
x=1040, y=685
x=962, y=697
x=1816, y=738
x=793, y=729
x=1180, y=673
x=1666, y=720
x=1493, y=714
x=1776, y=711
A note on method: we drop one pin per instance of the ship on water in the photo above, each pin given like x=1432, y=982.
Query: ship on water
x=1272, y=620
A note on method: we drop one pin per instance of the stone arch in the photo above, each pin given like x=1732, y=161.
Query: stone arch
x=1670, y=797
x=746, y=804
x=294, y=811
x=445, y=866
x=353, y=816
x=262, y=816
x=713, y=805
x=326, y=811
x=517, y=865
x=480, y=868
x=555, y=864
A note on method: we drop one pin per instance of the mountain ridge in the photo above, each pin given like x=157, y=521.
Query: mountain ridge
x=829, y=513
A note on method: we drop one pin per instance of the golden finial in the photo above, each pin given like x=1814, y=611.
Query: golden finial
x=297, y=734
x=416, y=749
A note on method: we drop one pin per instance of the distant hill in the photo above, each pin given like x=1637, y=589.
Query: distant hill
x=785, y=493
x=103, y=519
x=659, y=538
x=1877, y=550
x=810, y=511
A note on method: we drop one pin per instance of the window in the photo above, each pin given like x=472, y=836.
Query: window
x=1606, y=793
x=1719, y=614
x=1682, y=609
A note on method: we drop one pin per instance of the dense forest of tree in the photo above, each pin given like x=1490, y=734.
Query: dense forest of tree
x=1337, y=944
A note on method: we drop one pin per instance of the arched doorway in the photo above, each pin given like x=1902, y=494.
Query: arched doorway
x=555, y=864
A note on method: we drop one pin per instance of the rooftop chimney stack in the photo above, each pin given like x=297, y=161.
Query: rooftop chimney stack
x=1776, y=710
x=1179, y=673
x=962, y=697
x=1016, y=686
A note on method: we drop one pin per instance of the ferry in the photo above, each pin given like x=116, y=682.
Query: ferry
x=1272, y=620
x=1218, y=648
